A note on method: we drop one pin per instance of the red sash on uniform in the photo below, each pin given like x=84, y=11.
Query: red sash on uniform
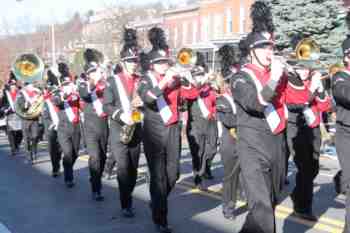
x=276, y=113
x=207, y=102
x=30, y=95
x=301, y=95
x=228, y=96
x=313, y=113
x=71, y=108
x=126, y=87
x=97, y=99
x=169, y=97
x=169, y=101
x=53, y=110
x=11, y=97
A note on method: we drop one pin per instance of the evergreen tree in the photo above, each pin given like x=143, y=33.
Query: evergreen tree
x=322, y=20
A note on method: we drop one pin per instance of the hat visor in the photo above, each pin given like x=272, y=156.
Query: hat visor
x=129, y=58
x=261, y=44
x=161, y=59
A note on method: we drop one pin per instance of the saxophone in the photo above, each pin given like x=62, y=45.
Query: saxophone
x=128, y=131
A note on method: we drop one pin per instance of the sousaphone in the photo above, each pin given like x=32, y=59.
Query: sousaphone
x=29, y=69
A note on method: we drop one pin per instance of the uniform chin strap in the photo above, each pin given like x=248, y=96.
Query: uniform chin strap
x=258, y=60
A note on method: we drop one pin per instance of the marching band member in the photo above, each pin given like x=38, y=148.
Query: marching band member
x=95, y=119
x=28, y=95
x=341, y=94
x=202, y=133
x=51, y=119
x=120, y=101
x=306, y=101
x=258, y=91
x=13, y=122
x=226, y=114
x=68, y=129
x=160, y=90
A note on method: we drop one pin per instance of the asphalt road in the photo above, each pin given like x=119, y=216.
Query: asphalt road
x=31, y=201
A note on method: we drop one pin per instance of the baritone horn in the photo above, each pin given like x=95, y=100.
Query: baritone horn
x=29, y=68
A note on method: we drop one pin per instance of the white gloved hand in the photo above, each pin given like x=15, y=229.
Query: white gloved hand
x=316, y=83
x=277, y=69
x=67, y=89
x=126, y=119
x=53, y=126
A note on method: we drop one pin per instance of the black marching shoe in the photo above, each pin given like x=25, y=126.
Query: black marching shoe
x=96, y=196
x=163, y=228
x=228, y=213
x=229, y=216
x=128, y=213
x=55, y=174
x=305, y=215
x=198, y=183
x=13, y=153
x=29, y=160
x=208, y=175
x=70, y=184
x=34, y=157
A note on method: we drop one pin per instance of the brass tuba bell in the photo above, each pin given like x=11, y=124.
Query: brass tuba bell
x=29, y=68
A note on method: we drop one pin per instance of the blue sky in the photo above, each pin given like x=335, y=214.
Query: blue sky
x=16, y=15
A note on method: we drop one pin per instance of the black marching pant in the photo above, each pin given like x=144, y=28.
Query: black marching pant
x=230, y=160
x=260, y=156
x=202, y=137
x=163, y=158
x=31, y=133
x=69, y=139
x=306, y=144
x=96, y=137
x=15, y=138
x=342, y=139
x=127, y=160
x=54, y=150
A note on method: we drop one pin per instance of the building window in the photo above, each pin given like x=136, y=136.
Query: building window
x=175, y=37
x=194, y=31
x=167, y=33
x=205, y=28
x=241, y=16
x=229, y=22
x=184, y=33
x=218, y=28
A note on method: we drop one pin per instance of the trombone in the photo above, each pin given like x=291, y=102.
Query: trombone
x=308, y=51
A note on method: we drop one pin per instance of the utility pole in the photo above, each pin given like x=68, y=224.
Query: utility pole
x=53, y=43
x=53, y=47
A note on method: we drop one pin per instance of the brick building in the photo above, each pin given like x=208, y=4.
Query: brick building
x=203, y=26
x=182, y=26
x=142, y=26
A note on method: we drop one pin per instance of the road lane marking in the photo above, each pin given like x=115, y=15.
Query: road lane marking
x=282, y=212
